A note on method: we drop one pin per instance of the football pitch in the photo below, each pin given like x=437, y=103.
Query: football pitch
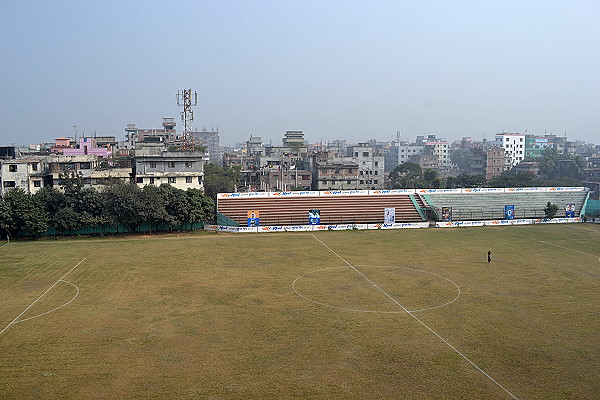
x=408, y=314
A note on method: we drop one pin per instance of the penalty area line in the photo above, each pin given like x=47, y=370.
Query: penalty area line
x=418, y=320
x=43, y=294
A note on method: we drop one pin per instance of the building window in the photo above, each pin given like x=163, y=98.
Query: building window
x=37, y=183
x=9, y=184
x=361, y=182
x=376, y=163
x=34, y=166
x=152, y=180
x=200, y=180
x=375, y=181
x=361, y=172
x=152, y=164
x=172, y=179
x=12, y=168
x=188, y=164
x=139, y=179
x=171, y=164
x=188, y=179
x=376, y=172
x=85, y=165
x=349, y=182
x=356, y=154
x=365, y=154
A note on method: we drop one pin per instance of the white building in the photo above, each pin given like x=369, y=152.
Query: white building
x=440, y=150
x=371, y=165
x=406, y=151
x=154, y=165
x=513, y=145
x=26, y=173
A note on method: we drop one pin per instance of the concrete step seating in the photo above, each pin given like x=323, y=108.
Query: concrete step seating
x=275, y=211
x=487, y=206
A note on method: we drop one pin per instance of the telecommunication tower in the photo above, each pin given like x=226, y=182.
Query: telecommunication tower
x=187, y=100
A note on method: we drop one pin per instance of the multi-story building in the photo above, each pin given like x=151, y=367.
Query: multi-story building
x=371, y=166
x=513, y=145
x=439, y=148
x=27, y=173
x=408, y=151
x=87, y=146
x=210, y=141
x=155, y=165
x=496, y=162
x=293, y=144
x=254, y=146
x=278, y=178
x=336, y=175
x=135, y=135
x=94, y=171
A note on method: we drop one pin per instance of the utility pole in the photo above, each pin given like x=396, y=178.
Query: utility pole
x=187, y=100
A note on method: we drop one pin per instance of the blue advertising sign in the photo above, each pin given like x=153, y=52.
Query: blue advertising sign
x=509, y=212
x=570, y=210
x=314, y=217
x=253, y=218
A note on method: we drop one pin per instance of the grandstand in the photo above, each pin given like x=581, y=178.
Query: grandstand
x=489, y=205
x=293, y=210
x=411, y=205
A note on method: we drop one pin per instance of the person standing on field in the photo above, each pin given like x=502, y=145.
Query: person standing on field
x=489, y=256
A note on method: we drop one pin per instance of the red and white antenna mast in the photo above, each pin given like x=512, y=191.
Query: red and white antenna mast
x=187, y=100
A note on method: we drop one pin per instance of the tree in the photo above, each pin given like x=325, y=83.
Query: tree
x=461, y=158
x=406, y=175
x=465, y=180
x=515, y=180
x=123, y=205
x=27, y=213
x=202, y=208
x=176, y=204
x=550, y=210
x=7, y=223
x=431, y=179
x=220, y=179
x=67, y=219
x=153, y=203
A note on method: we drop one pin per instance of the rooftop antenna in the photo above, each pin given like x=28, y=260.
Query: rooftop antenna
x=76, y=130
x=187, y=100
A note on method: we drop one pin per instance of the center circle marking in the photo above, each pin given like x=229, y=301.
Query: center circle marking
x=376, y=285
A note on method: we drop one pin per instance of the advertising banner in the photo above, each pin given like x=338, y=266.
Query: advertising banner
x=391, y=191
x=509, y=212
x=446, y=214
x=389, y=216
x=570, y=211
x=253, y=218
x=314, y=217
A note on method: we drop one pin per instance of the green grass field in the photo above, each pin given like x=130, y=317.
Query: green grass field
x=285, y=316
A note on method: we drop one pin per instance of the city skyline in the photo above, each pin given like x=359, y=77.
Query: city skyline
x=349, y=70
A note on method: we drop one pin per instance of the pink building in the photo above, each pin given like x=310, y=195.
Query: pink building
x=88, y=146
x=61, y=144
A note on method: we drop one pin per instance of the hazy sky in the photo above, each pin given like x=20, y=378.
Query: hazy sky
x=334, y=69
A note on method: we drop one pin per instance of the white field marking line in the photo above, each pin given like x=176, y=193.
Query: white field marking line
x=43, y=294
x=373, y=311
x=57, y=308
x=566, y=248
x=5, y=244
x=419, y=321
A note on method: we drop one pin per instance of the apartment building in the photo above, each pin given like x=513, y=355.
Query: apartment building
x=155, y=165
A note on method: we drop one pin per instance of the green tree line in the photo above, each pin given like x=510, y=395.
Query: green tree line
x=157, y=207
x=411, y=175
